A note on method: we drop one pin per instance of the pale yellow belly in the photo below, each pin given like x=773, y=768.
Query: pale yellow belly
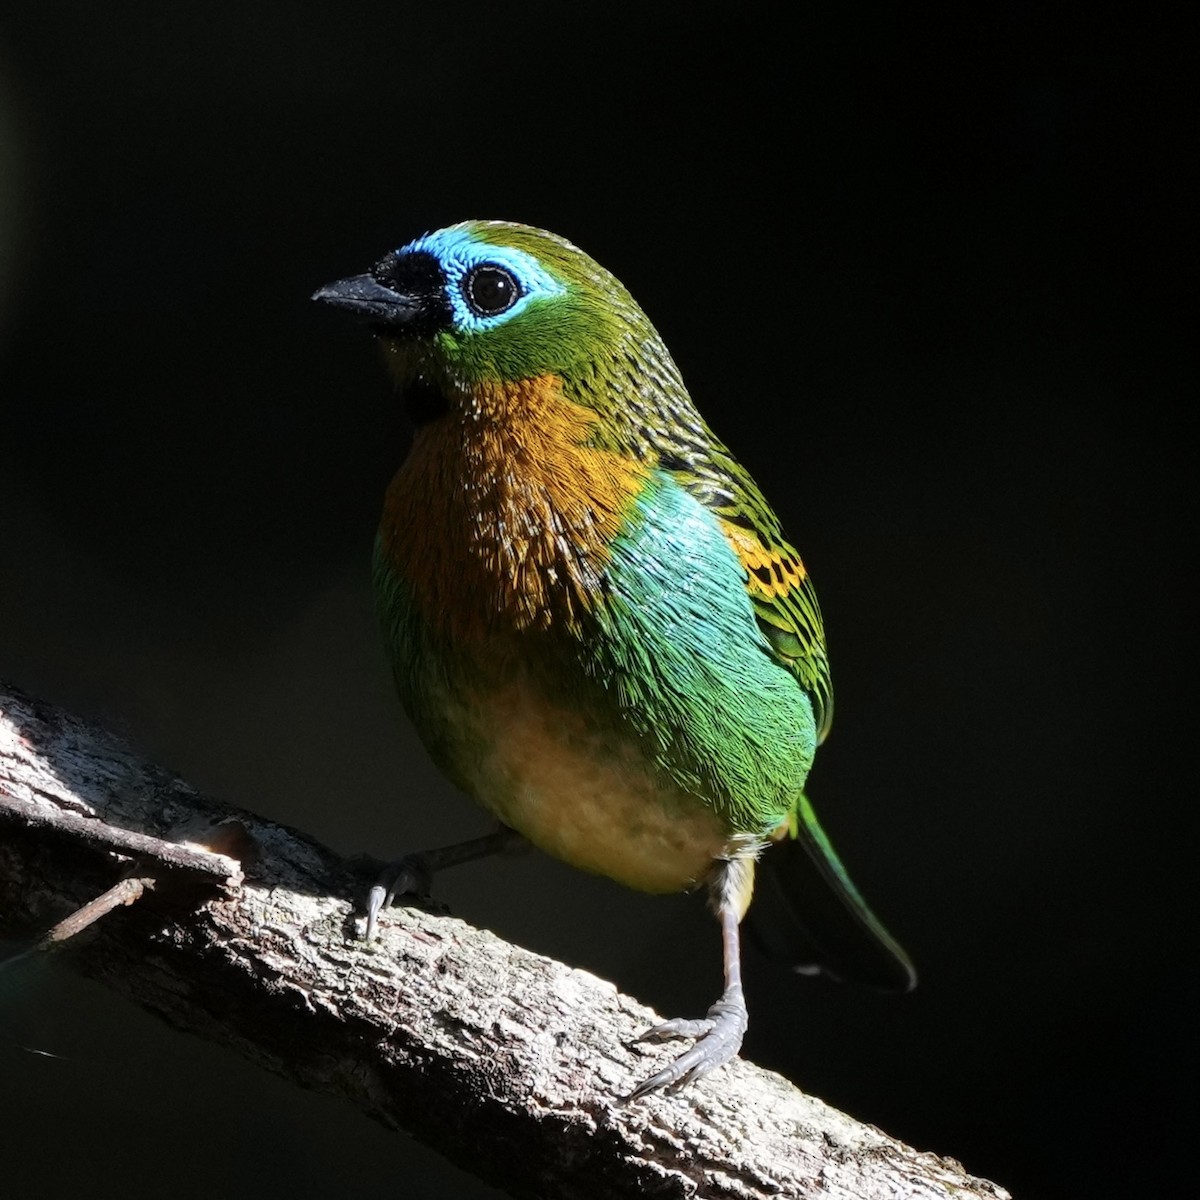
x=588, y=797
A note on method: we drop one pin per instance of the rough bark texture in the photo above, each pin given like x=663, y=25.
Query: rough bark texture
x=509, y=1063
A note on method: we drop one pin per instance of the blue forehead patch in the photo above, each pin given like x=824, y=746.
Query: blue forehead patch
x=458, y=252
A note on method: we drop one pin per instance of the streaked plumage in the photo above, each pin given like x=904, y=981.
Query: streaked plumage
x=594, y=619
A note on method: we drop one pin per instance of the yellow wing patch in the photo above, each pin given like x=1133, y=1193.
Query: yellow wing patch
x=771, y=572
x=787, y=611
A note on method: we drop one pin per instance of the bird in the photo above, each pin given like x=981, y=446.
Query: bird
x=594, y=619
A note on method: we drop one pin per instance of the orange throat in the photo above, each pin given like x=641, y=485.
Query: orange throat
x=502, y=516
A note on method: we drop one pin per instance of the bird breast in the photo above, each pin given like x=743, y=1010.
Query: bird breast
x=502, y=515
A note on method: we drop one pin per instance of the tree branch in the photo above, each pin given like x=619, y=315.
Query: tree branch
x=509, y=1063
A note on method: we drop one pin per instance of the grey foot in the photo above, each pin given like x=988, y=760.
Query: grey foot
x=409, y=876
x=413, y=874
x=720, y=1038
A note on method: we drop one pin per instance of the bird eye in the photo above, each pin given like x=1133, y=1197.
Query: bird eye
x=490, y=289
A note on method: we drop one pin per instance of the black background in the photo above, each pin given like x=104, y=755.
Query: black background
x=917, y=268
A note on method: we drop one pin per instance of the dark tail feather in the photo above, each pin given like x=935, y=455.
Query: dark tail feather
x=807, y=911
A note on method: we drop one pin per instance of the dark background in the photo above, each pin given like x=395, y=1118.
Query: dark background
x=917, y=269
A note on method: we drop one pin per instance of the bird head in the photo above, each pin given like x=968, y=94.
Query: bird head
x=487, y=302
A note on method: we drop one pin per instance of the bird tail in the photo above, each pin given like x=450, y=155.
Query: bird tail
x=807, y=911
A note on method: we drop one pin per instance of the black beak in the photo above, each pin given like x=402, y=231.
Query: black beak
x=365, y=296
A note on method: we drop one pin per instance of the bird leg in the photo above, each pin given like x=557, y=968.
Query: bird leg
x=413, y=874
x=720, y=1033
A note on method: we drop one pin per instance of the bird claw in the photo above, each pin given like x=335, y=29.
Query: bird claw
x=413, y=874
x=408, y=876
x=677, y=1028
x=720, y=1038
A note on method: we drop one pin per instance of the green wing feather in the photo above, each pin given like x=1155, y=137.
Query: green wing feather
x=807, y=909
x=783, y=596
